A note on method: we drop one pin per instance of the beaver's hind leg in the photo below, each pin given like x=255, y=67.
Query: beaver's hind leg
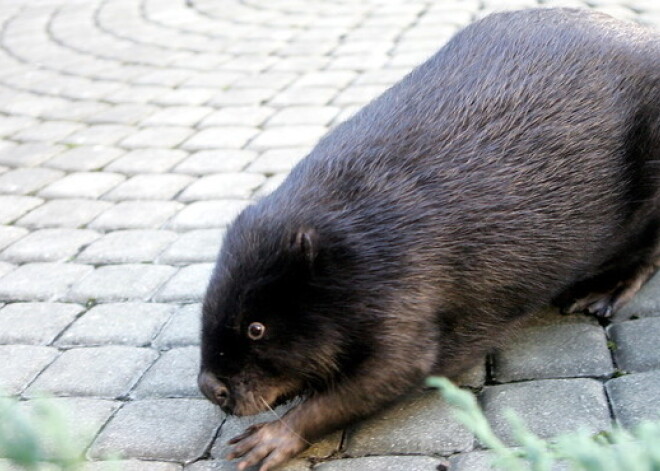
x=605, y=294
x=617, y=281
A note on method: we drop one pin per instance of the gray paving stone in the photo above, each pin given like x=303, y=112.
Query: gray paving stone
x=646, y=302
x=49, y=245
x=130, y=465
x=301, y=115
x=304, y=96
x=635, y=344
x=548, y=407
x=35, y=323
x=221, y=137
x=188, y=285
x=207, y=214
x=193, y=247
x=238, y=116
x=275, y=80
x=419, y=424
x=359, y=94
x=6, y=268
x=71, y=213
x=173, y=375
x=295, y=48
x=271, y=185
x=555, y=351
x=84, y=158
x=326, y=78
x=473, y=461
x=379, y=463
x=216, y=161
x=47, y=131
x=157, y=136
x=201, y=61
x=20, y=364
x=129, y=113
x=278, y=160
x=185, y=97
x=28, y=155
x=147, y=161
x=242, y=97
x=133, y=324
x=10, y=234
x=177, y=116
x=482, y=461
x=99, y=134
x=84, y=89
x=127, y=247
x=360, y=62
x=183, y=329
x=78, y=111
x=215, y=78
x=108, y=372
x=164, y=77
x=161, y=429
x=288, y=136
x=82, y=185
x=635, y=397
x=23, y=181
x=136, y=94
x=385, y=77
x=82, y=417
x=150, y=187
x=130, y=282
x=29, y=104
x=41, y=281
x=12, y=124
x=136, y=215
x=223, y=185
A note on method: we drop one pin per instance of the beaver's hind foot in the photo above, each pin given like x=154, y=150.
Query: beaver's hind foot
x=603, y=295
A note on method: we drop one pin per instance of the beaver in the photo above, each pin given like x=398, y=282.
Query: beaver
x=517, y=167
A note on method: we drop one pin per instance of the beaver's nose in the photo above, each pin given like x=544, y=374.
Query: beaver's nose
x=215, y=390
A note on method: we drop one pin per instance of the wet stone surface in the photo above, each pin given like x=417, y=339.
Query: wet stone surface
x=634, y=397
x=420, y=424
x=635, y=344
x=548, y=407
x=565, y=350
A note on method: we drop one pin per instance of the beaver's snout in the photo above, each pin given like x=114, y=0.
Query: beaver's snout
x=215, y=390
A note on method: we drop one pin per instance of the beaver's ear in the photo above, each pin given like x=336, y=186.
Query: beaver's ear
x=304, y=243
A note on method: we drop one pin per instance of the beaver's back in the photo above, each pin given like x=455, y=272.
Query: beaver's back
x=524, y=142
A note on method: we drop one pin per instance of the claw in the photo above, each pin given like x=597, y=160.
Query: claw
x=244, y=447
x=246, y=433
x=601, y=308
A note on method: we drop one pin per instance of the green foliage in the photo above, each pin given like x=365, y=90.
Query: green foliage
x=30, y=440
x=616, y=450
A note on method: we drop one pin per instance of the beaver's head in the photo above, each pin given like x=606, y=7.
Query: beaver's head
x=272, y=324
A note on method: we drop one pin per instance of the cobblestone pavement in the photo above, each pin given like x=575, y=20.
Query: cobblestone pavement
x=132, y=131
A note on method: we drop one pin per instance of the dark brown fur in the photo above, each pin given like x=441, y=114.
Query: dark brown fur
x=518, y=166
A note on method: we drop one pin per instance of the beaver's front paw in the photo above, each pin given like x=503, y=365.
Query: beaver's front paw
x=271, y=443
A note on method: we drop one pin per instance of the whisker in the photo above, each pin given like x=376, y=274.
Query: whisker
x=282, y=421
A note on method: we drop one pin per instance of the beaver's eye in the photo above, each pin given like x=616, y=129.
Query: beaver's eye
x=256, y=330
